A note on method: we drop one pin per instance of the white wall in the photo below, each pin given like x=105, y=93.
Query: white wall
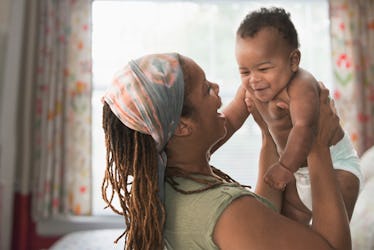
x=4, y=30
x=4, y=27
x=11, y=21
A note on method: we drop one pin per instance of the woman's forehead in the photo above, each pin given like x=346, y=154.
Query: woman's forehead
x=194, y=71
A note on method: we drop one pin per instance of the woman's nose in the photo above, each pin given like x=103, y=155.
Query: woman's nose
x=215, y=87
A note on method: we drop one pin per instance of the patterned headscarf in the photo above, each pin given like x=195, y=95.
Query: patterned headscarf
x=147, y=96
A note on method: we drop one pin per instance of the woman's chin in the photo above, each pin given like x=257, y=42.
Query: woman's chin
x=224, y=132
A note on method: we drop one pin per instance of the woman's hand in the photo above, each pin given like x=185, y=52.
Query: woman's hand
x=329, y=128
x=251, y=106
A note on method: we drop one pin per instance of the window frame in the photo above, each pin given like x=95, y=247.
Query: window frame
x=62, y=225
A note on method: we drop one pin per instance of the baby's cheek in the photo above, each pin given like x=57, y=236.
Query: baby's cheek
x=245, y=81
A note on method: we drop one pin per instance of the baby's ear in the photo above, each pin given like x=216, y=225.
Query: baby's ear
x=295, y=60
x=184, y=127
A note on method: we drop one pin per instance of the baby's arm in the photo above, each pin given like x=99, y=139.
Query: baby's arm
x=236, y=113
x=304, y=110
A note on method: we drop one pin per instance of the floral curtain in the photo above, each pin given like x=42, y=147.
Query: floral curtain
x=352, y=41
x=62, y=123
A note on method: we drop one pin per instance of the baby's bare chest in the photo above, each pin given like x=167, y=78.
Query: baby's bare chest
x=278, y=121
x=274, y=111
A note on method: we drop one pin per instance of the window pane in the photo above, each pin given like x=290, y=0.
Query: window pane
x=204, y=31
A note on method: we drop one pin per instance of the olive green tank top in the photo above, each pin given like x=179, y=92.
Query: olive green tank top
x=191, y=218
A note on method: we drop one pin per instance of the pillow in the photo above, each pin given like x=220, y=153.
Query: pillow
x=362, y=222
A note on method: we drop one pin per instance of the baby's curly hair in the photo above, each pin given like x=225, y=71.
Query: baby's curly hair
x=273, y=17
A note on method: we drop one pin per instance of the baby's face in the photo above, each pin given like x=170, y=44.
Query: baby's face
x=264, y=63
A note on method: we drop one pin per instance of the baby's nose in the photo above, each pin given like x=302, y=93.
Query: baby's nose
x=253, y=80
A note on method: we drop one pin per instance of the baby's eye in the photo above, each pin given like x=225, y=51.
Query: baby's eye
x=263, y=69
x=244, y=73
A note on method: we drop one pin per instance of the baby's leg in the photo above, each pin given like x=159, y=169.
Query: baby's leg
x=293, y=207
x=349, y=186
x=348, y=174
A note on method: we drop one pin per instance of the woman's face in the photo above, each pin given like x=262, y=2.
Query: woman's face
x=205, y=102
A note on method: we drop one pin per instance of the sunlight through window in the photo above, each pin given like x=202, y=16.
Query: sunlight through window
x=205, y=32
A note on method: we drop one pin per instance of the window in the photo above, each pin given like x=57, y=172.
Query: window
x=204, y=31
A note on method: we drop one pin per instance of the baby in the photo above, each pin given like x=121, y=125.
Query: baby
x=287, y=98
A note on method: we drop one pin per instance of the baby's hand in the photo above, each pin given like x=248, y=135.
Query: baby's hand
x=282, y=105
x=278, y=176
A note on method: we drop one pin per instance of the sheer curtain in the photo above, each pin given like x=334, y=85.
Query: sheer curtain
x=352, y=39
x=62, y=130
x=53, y=140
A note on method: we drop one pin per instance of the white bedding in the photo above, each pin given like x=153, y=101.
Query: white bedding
x=90, y=240
x=362, y=223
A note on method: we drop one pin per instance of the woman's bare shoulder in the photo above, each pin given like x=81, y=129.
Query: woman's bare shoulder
x=247, y=223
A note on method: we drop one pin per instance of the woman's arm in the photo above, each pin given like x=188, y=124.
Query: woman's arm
x=268, y=156
x=329, y=214
x=236, y=113
x=249, y=224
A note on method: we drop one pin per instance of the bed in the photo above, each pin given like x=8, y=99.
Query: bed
x=90, y=240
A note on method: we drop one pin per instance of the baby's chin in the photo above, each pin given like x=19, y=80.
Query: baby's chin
x=264, y=97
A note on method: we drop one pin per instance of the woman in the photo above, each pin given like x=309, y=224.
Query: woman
x=161, y=116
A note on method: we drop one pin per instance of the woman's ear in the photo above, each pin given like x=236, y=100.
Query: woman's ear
x=184, y=127
x=295, y=60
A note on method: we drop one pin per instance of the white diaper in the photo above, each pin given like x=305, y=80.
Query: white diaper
x=303, y=186
x=343, y=156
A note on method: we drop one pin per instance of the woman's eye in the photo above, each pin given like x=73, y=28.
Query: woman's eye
x=244, y=73
x=209, y=88
x=263, y=69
